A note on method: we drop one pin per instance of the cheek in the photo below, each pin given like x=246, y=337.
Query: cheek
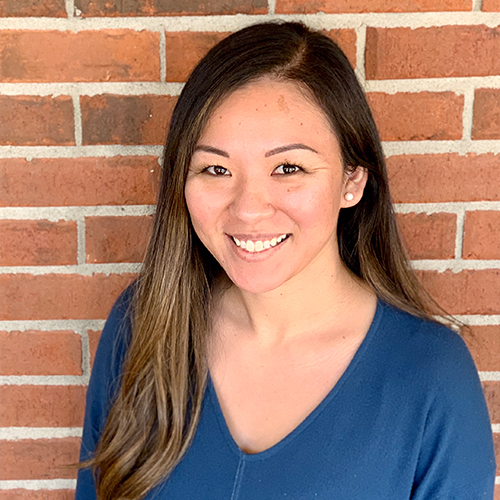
x=203, y=209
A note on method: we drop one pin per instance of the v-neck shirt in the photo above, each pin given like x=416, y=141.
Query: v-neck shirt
x=406, y=420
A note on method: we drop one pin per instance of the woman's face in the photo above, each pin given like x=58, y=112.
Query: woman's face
x=265, y=187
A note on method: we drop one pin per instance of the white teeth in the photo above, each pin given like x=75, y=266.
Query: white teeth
x=258, y=246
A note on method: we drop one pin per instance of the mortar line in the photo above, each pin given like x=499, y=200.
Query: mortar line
x=360, y=54
x=38, y=484
x=77, y=116
x=468, y=114
x=70, y=8
x=271, y=5
x=477, y=5
x=85, y=352
x=459, y=235
x=17, y=433
x=81, y=247
x=52, y=325
x=79, y=269
x=44, y=380
x=163, y=58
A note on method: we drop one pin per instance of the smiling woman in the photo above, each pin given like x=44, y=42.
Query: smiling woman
x=277, y=343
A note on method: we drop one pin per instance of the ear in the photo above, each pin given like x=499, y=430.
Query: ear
x=354, y=185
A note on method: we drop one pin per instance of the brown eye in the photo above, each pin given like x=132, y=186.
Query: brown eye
x=217, y=170
x=287, y=169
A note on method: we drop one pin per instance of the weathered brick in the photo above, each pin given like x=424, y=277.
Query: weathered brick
x=484, y=344
x=428, y=236
x=96, y=8
x=184, y=49
x=59, y=296
x=116, y=239
x=32, y=8
x=20, y=494
x=120, y=180
x=36, y=121
x=444, y=177
x=492, y=395
x=37, y=243
x=85, y=56
x=393, y=53
x=38, y=458
x=115, y=119
x=42, y=405
x=40, y=353
x=346, y=40
x=94, y=336
x=338, y=6
x=417, y=116
x=482, y=235
x=486, y=124
x=491, y=6
x=465, y=292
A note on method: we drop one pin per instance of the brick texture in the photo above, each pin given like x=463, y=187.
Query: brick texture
x=20, y=494
x=120, y=180
x=340, y=6
x=482, y=235
x=484, y=344
x=486, y=123
x=37, y=243
x=42, y=8
x=116, y=239
x=114, y=119
x=94, y=336
x=42, y=405
x=492, y=395
x=107, y=55
x=59, y=296
x=393, y=53
x=428, y=236
x=36, y=121
x=38, y=459
x=346, y=40
x=444, y=177
x=434, y=115
x=491, y=6
x=477, y=290
x=170, y=7
x=40, y=353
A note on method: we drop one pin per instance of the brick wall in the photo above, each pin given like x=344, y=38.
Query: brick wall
x=86, y=90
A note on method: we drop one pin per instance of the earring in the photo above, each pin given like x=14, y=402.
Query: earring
x=349, y=196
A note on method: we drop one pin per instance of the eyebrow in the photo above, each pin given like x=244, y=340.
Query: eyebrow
x=272, y=152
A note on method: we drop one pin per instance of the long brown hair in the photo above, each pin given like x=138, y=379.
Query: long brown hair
x=157, y=408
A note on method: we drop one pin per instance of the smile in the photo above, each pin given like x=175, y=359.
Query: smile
x=259, y=245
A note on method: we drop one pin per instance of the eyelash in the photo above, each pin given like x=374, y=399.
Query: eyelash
x=284, y=165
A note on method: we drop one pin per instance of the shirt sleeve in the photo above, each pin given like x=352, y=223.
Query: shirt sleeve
x=457, y=459
x=103, y=385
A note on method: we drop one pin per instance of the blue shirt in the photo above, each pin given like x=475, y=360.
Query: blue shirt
x=407, y=420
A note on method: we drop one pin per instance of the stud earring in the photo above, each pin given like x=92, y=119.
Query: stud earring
x=349, y=196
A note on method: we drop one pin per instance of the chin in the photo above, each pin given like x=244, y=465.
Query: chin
x=254, y=284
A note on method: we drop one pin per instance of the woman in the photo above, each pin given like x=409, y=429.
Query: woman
x=277, y=343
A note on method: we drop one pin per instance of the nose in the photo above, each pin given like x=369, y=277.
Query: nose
x=252, y=200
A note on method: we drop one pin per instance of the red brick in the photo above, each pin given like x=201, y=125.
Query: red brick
x=428, y=236
x=346, y=40
x=116, y=239
x=491, y=6
x=169, y=7
x=486, y=124
x=106, y=55
x=184, y=49
x=121, y=180
x=484, y=344
x=40, y=353
x=492, y=395
x=59, y=296
x=417, y=116
x=466, y=292
x=115, y=119
x=42, y=405
x=37, y=243
x=338, y=6
x=444, y=177
x=393, y=53
x=482, y=235
x=94, y=336
x=38, y=458
x=497, y=491
x=33, y=8
x=36, y=121
x=37, y=494
x=496, y=440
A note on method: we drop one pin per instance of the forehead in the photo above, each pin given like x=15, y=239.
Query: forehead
x=276, y=109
